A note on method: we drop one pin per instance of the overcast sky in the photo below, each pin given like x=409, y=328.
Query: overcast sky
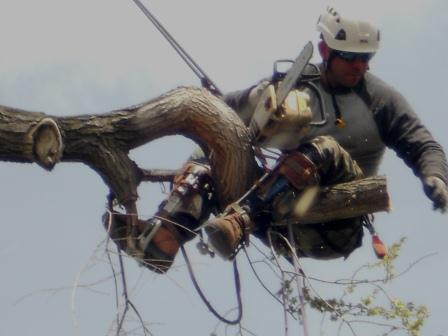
x=92, y=56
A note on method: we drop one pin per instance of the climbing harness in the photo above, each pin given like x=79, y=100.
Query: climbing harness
x=206, y=82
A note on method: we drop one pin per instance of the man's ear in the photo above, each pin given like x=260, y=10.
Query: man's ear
x=324, y=50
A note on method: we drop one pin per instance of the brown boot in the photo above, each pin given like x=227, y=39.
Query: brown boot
x=159, y=255
x=162, y=237
x=227, y=232
x=158, y=239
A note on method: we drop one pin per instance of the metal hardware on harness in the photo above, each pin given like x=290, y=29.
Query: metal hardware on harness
x=194, y=180
x=144, y=238
x=204, y=249
x=193, y=176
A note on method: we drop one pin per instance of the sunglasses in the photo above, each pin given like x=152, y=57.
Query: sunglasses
x=351, y=56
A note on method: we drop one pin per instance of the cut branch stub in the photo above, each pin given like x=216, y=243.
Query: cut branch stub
x=46, y=140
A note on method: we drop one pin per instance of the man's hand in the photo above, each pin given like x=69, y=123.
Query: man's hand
x=437, y=191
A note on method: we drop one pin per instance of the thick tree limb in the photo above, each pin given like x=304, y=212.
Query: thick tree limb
x=103, y=143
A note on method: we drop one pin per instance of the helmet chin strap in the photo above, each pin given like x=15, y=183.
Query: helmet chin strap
x=327, y=64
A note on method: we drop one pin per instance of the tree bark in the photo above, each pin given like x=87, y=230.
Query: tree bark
x=103, y=143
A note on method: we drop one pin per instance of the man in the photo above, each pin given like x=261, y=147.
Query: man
x=364, y=116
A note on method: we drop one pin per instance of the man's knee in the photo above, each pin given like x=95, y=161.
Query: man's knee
x=334, y=163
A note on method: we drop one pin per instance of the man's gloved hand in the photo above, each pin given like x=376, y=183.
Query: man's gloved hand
x=437, y=191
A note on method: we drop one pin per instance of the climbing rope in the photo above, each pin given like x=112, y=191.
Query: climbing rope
x=204, y=299
x=205, y=80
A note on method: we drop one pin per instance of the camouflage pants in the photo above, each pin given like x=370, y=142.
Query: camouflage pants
x=332, y=239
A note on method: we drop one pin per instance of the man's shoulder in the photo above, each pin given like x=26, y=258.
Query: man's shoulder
x=376, y=85
x=378, y=89
x=312, y=69
x=374, y=82
x=382, y=97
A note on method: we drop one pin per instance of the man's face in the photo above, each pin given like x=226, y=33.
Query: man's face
x=346, y=69
x=347, y=72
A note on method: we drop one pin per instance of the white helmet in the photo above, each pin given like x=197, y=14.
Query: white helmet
x=348, y=35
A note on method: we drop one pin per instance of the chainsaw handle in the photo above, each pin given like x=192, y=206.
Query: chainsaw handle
x=278, y=75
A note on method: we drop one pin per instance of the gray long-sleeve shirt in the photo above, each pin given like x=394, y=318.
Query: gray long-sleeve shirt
x=375, y=116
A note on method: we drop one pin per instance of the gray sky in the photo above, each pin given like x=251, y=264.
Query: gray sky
x=91, y=56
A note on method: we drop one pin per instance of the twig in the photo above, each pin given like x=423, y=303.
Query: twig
x=227, y=326
x=128, y=303
x=76, y=285
x=294, y=254
x=259, y=279
x=125, y=293
x=114, y=273
x=285, y=316
x=297, y=268
x=270, y=264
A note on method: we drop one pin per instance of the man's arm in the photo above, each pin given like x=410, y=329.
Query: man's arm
x=402, y=130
